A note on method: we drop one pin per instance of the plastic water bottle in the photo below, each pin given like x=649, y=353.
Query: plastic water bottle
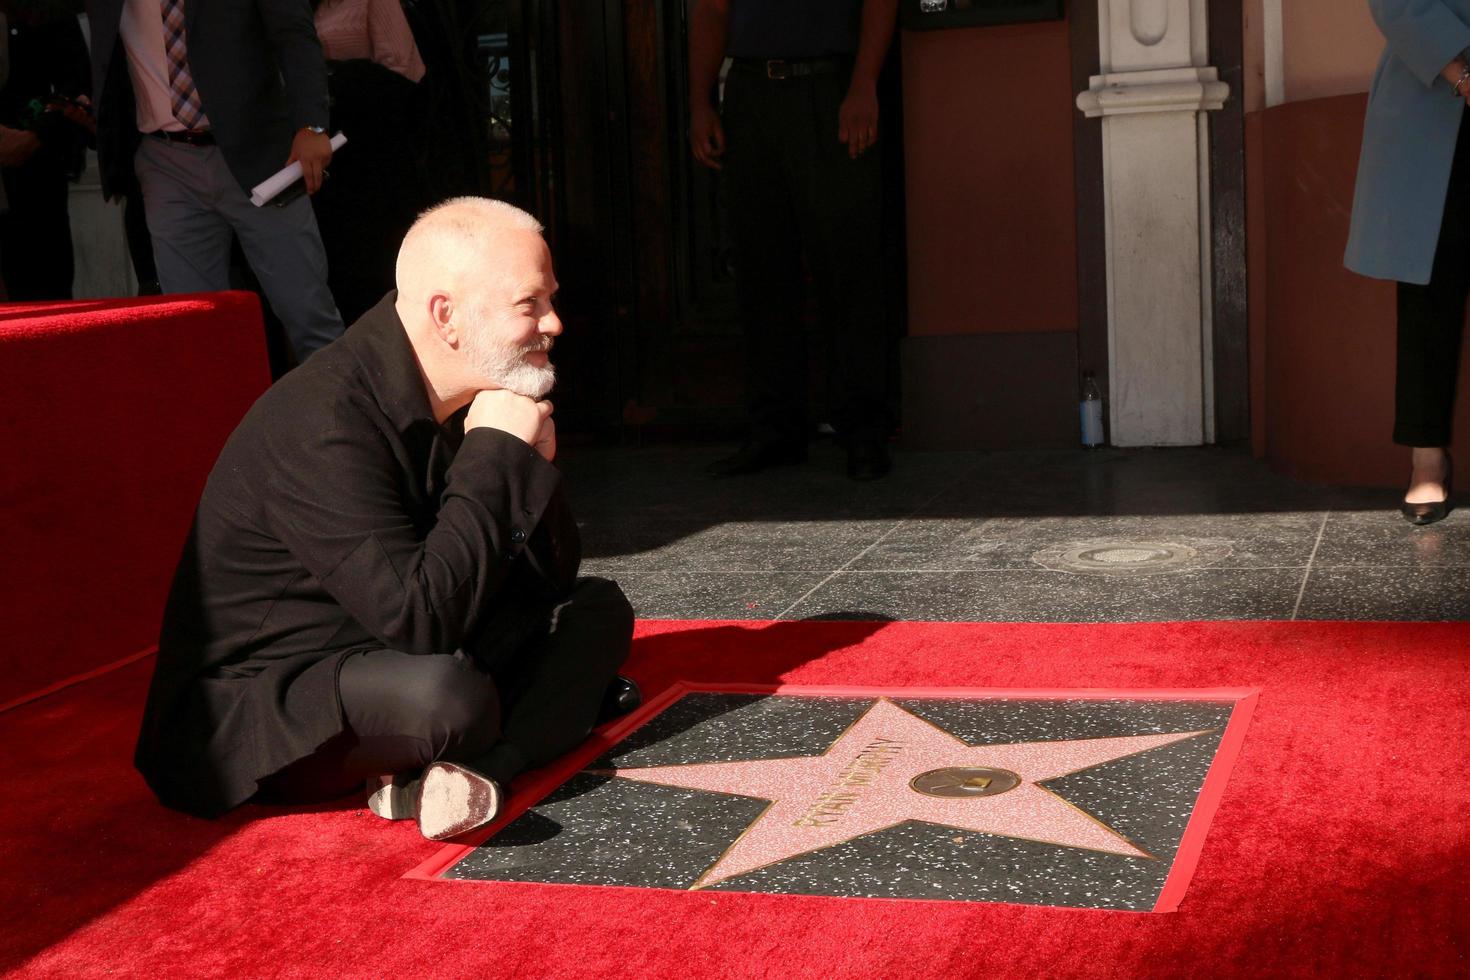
x=1091, y=411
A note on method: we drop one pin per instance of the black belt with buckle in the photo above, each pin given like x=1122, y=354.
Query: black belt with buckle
x=778, y=69
x=194, y=137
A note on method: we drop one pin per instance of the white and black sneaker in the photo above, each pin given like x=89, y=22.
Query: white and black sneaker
x=453, y=799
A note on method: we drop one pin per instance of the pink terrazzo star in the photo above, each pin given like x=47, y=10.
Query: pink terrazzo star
x=862, y=784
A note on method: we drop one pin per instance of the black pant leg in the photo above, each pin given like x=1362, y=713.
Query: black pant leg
x=1431, y=321
x=404, y=711
x=553, y=686
x=36, y=257
x=140, y=242
x=769, y=275
x=401, y=713
x=840, y=210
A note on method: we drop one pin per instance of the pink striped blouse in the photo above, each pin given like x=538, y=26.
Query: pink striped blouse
x=373, y=29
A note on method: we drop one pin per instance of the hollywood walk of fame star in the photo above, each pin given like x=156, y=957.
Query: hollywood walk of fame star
x=892, y=766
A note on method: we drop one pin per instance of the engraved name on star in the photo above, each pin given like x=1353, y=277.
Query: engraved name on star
x=891, y=767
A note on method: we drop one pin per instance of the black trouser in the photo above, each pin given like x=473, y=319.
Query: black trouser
x=140, y=241
x=1432, y=320
x=526, y=697
x=35, y=234
x=793, y=189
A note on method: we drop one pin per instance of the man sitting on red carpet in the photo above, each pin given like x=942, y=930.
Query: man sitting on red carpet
x=380, y=584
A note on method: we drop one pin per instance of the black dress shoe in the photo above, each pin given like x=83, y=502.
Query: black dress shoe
x=755, y=456
x=868, y=460
x=622, y=697
x=1435, y=510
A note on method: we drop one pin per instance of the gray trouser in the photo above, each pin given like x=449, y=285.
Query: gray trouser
x=195, y=206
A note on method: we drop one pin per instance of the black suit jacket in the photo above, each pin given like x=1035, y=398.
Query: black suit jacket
x=259, y=70
x=340, y=516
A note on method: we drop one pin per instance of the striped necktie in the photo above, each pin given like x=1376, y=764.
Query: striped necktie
x=188, y=109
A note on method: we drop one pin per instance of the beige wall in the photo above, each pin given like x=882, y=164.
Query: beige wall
x=991, y=202
x=1330, y=47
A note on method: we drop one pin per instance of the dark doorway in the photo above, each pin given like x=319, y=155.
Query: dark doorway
x=654, y=346
x=1227, y=223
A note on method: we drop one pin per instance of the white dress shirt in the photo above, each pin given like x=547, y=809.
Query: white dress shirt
x=142, y=36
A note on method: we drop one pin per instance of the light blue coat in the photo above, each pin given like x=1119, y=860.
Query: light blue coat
x=1408, y=139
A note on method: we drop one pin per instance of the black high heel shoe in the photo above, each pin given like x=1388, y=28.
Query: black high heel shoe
x=1436, y=510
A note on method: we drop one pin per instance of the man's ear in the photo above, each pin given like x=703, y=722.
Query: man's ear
x=441, y=314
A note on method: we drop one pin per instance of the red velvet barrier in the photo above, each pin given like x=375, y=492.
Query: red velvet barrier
x=114, y=411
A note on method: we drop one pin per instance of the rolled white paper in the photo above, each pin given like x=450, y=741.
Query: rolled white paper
x=262, y=193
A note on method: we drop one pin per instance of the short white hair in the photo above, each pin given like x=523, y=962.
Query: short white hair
x=467, y=215
x=461, y=226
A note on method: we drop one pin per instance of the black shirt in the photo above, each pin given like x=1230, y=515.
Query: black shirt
x=793, y=29
x=339, y=517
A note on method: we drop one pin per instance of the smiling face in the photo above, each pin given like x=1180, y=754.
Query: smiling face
x=509, y=322
x=475, y=293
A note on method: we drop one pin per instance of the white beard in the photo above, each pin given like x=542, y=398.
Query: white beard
x=506, y=366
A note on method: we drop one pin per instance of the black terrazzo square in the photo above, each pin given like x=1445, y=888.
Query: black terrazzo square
x=1046, y=596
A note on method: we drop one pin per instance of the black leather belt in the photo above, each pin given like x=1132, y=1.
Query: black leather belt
x=778, y=69
x=194, y=137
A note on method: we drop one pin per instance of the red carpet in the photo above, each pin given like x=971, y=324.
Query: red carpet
x=1339, y=848
x=114, y=412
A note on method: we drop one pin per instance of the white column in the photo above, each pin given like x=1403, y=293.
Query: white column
x=1153, y=96
x=99, y=243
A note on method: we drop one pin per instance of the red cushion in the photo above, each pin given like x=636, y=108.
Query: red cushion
x=114, y=411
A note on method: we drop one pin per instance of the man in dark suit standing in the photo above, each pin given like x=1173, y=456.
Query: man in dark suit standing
x=381, y=581
x=203, y=99
x=41, y=149
x=804, y=177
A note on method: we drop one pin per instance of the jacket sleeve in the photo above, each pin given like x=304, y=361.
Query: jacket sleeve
x=336, y=502
x=292, y=33
x=555, y=549
x=70, y=68
x=1425, y=35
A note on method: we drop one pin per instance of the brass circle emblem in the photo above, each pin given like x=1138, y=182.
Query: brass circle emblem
x=1122, y=556
x=965, y=782
x=1126, y=556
